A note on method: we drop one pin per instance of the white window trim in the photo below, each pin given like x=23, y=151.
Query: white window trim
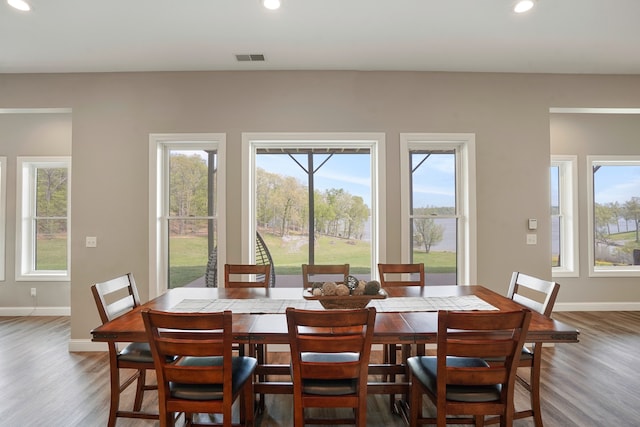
x=617, y=271
x=3, y=214
x=569, y=235
x=158, y=183
x=375, y=142
x=25, y=187
x=464, y=144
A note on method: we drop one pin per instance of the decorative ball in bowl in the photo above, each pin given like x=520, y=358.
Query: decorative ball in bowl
x=352, y=294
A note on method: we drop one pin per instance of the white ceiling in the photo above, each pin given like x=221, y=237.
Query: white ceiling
x=557, y=36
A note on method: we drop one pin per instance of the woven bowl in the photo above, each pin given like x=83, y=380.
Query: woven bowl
x=345, y=302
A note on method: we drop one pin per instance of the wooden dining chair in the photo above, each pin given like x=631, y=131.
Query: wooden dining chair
x=540, y=296
x=247, y=275
x=399, y=275
x=330, y=353
x=197, y=372
x=114, y=298
x=324, y=273
x=250, y=276
x=458, y=380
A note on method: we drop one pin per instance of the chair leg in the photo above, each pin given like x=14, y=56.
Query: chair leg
x=389, y=357
x=415, y=402
x=115, y=396
x=140, y=387
x=534, y=384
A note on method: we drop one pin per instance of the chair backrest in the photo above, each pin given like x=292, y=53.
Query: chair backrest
x=247, y=275
x=536, y=294
x=480, y=334
x=177, y=340
x=401, y=274
x=330, y=332
x=115, y=297
x=324, y=273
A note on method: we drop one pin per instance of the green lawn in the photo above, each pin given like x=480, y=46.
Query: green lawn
x=51, y=253
x=189, y=256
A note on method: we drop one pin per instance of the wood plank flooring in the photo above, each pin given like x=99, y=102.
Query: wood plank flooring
x=593, y=383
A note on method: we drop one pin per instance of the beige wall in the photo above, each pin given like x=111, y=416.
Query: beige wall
x=113, y=115
x=29, y=134
x=595, y=134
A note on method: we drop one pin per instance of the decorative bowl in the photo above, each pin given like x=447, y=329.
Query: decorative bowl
x=343, y=302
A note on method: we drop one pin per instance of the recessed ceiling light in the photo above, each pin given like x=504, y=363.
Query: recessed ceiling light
x=20, y=5
x=272, y=4
x=523, y=6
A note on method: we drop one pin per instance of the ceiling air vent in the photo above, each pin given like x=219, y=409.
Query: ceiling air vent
x=250, y=57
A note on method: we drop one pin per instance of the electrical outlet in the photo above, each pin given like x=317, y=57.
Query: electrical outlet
x=91, y=242
x=33, y=292
x=532, y=239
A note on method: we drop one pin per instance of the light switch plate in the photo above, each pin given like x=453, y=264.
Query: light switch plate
x=532, y=239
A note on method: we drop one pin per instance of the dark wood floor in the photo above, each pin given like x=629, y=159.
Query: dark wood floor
x=593, y=383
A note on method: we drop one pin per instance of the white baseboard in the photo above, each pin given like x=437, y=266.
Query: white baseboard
x=35, y=311
x=597, y=306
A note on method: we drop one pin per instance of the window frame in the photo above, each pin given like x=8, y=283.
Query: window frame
x=612, y=271
x=568, y=213
x=159, y=147
x=25, y=205
x=3, y=215
x=464, y=146
x=375, y=142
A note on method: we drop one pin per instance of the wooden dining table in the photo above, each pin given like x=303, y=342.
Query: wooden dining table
x=257, y=325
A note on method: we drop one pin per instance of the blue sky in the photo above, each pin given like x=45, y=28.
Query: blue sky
x=616, y=184
x=351, y=172
x=433, y=181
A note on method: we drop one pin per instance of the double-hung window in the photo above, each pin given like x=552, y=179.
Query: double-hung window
x=187, y=210
x=564, y=220
x=43, y=194
x=614, y=215
x=438, y=205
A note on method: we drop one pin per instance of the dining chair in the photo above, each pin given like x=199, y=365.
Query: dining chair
x=250, y=276
x=540, y=296
x=399, y=275
x=196, y=370
x=247, y=275
x=458, y=380
x=114, y=298
x=324, y=273
x=330, y=353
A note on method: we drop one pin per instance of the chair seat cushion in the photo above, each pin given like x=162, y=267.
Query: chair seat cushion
x=138, y=352
x=242, y=370
x=424, y=369
x=329, y=387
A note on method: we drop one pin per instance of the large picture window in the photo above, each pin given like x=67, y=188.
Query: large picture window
x=564, y=221
x=438, y=208
x=614, y=215
x=187, y=226
x=314, y=200
x=43, y=218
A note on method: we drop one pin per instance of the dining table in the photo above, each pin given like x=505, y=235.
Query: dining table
x=406, y=315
